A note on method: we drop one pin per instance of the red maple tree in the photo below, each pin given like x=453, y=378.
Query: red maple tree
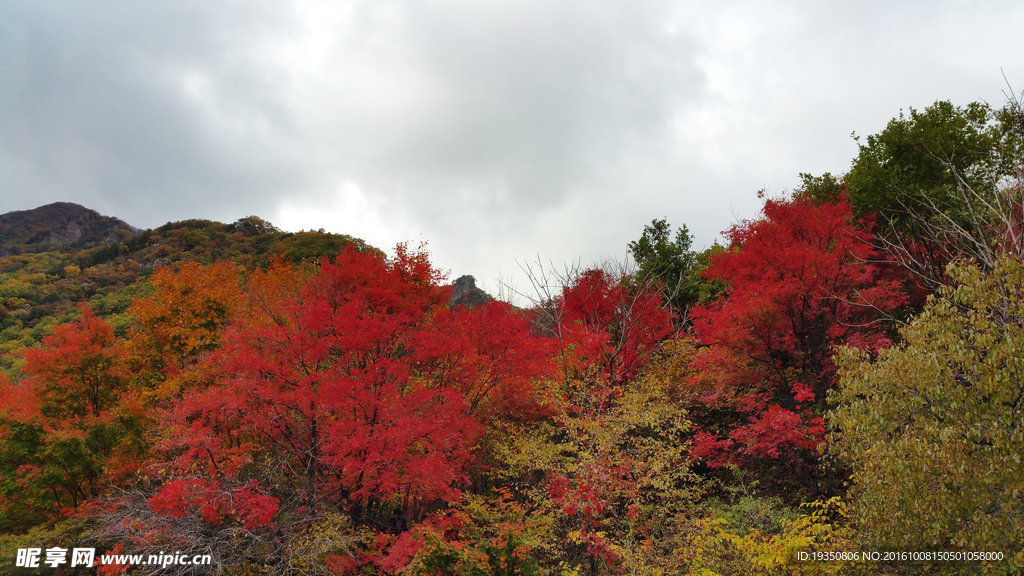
x=71, y=425
x=360, y=382
x=802, y=279
x=608, y=327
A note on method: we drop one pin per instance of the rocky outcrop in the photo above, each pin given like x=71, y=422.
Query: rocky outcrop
x=465, y=293
x=62, y=226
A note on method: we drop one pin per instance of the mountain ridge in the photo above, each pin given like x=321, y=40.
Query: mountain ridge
x=61, y=226
x=62, y=255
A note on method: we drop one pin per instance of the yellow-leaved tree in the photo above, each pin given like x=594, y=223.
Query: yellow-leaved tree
x=934, y=427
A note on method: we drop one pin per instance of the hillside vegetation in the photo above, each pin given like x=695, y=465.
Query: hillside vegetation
x=838, y=390
x=104, y=262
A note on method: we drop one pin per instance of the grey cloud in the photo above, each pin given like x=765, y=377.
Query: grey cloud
x=533, y=97
x=178, y=107
x=99, y=110
x=497, y=130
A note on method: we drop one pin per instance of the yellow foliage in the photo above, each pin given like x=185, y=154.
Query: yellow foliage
x=622, y=473
x=716, y=550
x=930, y=427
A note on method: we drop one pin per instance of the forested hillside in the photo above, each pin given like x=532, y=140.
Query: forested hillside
x=843, y=376
x=104, y=263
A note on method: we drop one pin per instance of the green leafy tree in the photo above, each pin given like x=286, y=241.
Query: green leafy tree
x=932, y=427
x=943, y=183
x=919, y=156
x=668, y=262
x=824, y=188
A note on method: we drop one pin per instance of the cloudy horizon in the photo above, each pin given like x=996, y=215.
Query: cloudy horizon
x=497, y=132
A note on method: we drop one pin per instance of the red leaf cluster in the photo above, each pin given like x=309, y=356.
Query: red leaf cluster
x=216, y=505
x=801, y=280
x=610, y=327
x=360, y=378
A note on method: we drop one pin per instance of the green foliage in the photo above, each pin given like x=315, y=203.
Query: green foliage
x=916, y=161
x=251, y=241
x=749, y=513
x=68, y=533
x=313, y=245
x=40, y=291
x=932, y=426
x=669, y=262
x=708, y=289
x=941, y=184
x=824, y=188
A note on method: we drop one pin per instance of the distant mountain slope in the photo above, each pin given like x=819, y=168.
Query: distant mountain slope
x=57, y=257
x=61, y=226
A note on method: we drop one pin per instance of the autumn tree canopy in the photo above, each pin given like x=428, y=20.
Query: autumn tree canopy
x=351, y=385
x=801, y=279
x=932, y=425
x=306, y=404
x=70, y=426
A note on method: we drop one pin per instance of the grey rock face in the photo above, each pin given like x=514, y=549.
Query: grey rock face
x=465, y=292
x=61, y=224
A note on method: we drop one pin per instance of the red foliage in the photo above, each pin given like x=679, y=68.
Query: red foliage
x=579, y=497
x=610, y=326
x=596, y=493
x=214, y=503
x=79, y=370
x=778, y=429
x=77, y=427
x=18, y=402
x=489, y=354
x=111, y=569
x=801, y=280
x=359, y=378
x=714, y=451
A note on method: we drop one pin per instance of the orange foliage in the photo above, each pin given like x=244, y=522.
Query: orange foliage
x=183, y=319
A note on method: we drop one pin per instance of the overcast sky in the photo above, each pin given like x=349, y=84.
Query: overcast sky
x=497, y=131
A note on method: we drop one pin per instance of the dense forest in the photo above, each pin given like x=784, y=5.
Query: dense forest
x=844, y=376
